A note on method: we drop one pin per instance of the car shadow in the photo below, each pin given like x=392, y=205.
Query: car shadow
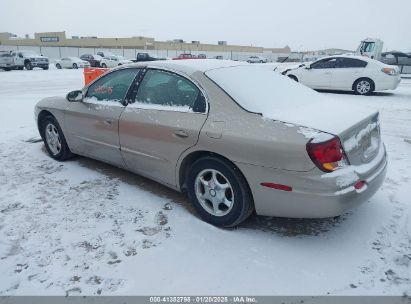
x=352, y=93
x=279, y=226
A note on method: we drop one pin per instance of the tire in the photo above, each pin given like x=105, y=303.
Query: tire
x=103, y=65
x=75, y=66
x=7, y=69
x=293, y=77
x=211, y=179
x=20, y=68
x=58, y=66
x=46, y=68
x=363, y=86
x=54, y=139
x=28, y=65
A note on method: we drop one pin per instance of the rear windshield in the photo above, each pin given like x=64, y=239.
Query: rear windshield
x=261, y=90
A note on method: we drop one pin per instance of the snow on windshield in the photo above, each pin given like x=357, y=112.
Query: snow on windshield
x=261, y=90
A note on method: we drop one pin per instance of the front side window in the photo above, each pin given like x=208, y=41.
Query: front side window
x=324, y=64
x=112, y=87
x=168, y=91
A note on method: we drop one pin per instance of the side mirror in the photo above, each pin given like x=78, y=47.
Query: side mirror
x=308, y=67
x=75, y=96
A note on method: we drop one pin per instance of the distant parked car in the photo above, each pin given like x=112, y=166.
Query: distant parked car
x=94, y=60
x=113, y=61
x=202, y=56
x=6, y=61
x=105, y=54
x=250, y=139
x=29, y=60
x=71, y=63
x=347, y=73
x=256, y=59
x=145, y=57
x=185, y=56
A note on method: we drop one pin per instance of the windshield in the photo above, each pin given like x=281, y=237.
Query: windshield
x=27, y=54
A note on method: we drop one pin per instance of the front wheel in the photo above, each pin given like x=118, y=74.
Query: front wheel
x=363, y=86
x=104, y=65
x=219, y=192
x=75, y=66
x=58, y=66
x=54, y=139
x=293, y=77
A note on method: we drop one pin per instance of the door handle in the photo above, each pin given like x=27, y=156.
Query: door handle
x=181, y=133
x=108, y=122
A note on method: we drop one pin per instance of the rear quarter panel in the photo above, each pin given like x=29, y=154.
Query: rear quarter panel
x=246, y=137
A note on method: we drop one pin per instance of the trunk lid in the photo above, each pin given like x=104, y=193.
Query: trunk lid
x=361, y=142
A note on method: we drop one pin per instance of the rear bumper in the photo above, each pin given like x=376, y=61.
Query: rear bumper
x=314, y=195
x=388, y=83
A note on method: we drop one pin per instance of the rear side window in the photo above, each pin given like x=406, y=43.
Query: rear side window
x=112, y=87
x=168, y=91
x=350, y=63
x=5, y=55
x=324, y=64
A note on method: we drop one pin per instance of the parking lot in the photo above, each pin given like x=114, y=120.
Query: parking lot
x=83, y=227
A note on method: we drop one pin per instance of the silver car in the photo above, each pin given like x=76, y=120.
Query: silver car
x=235, y=137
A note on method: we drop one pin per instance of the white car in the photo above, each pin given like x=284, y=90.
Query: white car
x=71, y=63
x=113, y=61
x=347, y=73
x=256, y=59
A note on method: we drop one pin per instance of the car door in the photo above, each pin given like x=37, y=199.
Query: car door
x=346, y=72
x=92, y=124
x=319, y=74
x=163, y=121
x=65, y=63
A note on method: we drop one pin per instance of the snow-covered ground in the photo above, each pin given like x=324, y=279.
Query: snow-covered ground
x=84, y=227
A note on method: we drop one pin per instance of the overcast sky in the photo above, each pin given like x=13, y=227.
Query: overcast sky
x=301, y=24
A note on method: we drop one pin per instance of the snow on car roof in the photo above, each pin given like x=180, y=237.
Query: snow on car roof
x=193, y=65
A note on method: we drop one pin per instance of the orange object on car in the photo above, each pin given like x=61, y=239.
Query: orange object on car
x=92, y=73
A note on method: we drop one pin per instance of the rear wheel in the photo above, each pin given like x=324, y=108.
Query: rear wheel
x=20, y=68
x=363, y=86
x=28, y=65
x=103, y=65
x=58, y=66
x=219, y=192
x=46, y=68
x=54, y=139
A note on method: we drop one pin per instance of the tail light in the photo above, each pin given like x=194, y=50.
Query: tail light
x=390, y=71
x=328, y=155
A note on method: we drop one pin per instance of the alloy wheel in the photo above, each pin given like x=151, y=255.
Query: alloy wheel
x=214, y=192
x=363, y=87
x=53, y=139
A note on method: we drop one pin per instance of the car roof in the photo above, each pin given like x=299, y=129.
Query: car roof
x=191, y=66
